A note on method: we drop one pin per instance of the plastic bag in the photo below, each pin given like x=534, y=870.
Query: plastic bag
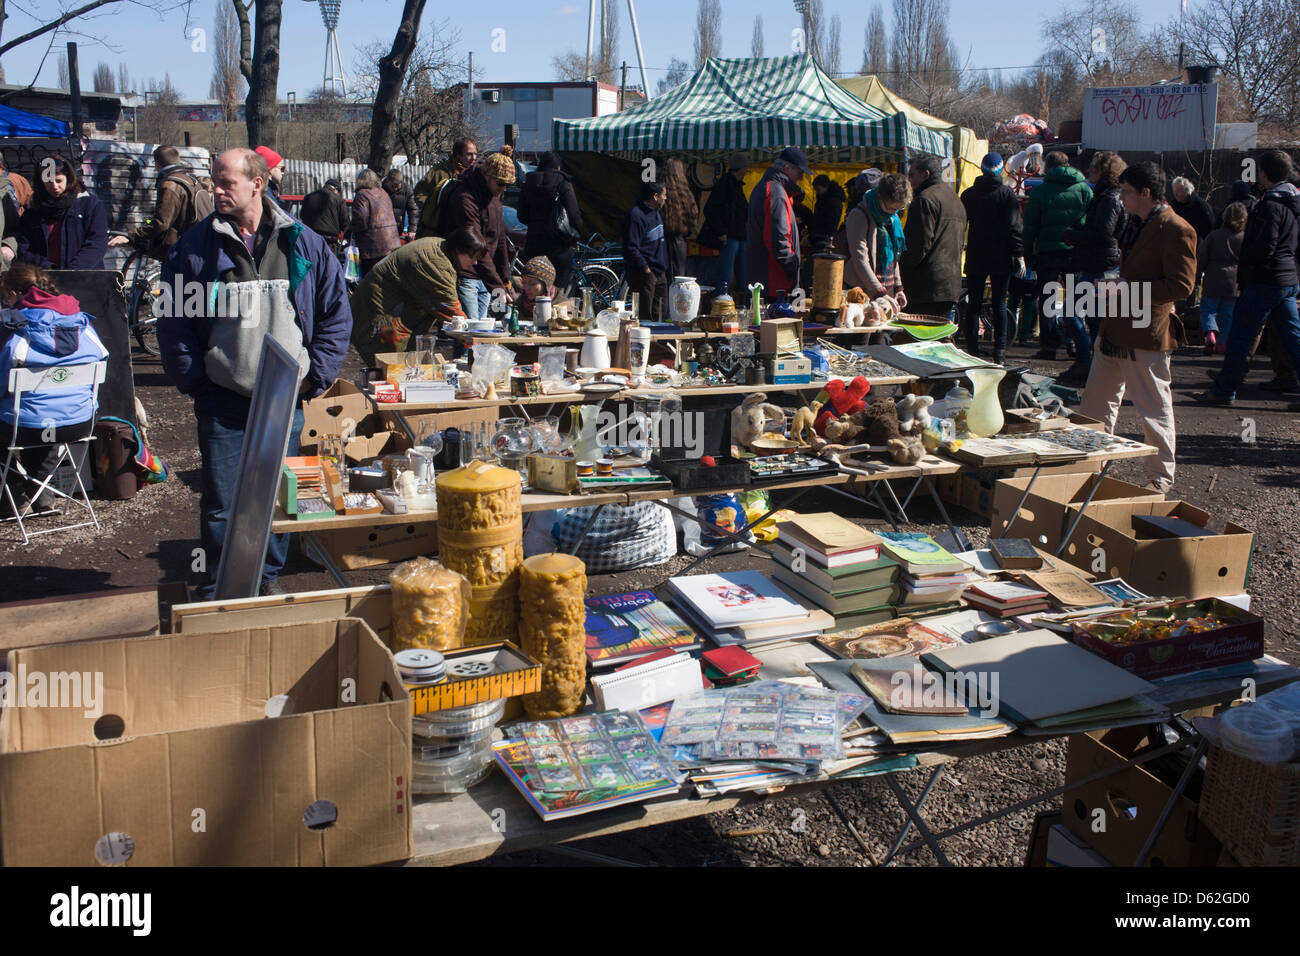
x=353, y=271
x=491, y=362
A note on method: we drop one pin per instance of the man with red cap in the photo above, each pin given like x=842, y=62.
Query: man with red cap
x=275, y=163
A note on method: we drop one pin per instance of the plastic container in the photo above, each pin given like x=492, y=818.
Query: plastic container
x=472, y=721
x=1259, y=732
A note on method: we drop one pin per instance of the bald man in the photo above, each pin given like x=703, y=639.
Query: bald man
x=247, y=272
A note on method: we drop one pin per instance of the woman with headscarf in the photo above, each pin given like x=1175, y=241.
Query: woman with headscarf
x=65, y=227
x=679, y=213
x=874, y=238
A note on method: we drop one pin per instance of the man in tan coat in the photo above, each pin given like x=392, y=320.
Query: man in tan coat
x=178, y=207
x=1157, y=268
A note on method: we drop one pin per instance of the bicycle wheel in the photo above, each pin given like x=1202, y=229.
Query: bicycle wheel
x=144, y=274
x=604, y=283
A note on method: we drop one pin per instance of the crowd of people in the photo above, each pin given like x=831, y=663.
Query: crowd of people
x=1028, y=229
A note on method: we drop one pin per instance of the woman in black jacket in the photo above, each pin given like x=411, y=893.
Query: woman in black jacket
x=1095, y=252
x=537, y=200
x=725, y=220
x=994, y=251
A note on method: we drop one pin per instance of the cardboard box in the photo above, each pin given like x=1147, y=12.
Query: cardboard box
x=1130, y=801
x=1053, y=502
x=791, y=371
x=355, y=548
x=977, y=488
x=397, y=371
x=1216, y=565
x=344, y=409
x=185, y=738
x=774, y=333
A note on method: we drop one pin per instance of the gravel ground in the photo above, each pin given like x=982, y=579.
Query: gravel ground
x=151, y=538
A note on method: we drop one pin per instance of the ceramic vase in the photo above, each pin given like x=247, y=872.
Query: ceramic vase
x=985, y=417
x=684, y=300
x=595, y=350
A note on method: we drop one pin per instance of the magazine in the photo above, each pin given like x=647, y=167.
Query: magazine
x=624, y=627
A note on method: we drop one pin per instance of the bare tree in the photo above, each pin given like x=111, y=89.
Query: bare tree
x=430, y=107
x=103, y=79
x=259, y=62
x=708, y=30
x=123, y=78
x=1257, y=45
x=70, y=11
x=875, y=55
x=64, y=81
x=1103, y=38
x=756, y=44
x=228, y=86
x=833, y=47
x=392, y=72
x=572, y=65
x=922, y=58
x=679, y=71
x=816, y=39
x=157, y=121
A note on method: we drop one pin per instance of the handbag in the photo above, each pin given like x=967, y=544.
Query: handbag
x=561, y=228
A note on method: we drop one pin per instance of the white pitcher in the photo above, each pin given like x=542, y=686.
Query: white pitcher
x=595, y=350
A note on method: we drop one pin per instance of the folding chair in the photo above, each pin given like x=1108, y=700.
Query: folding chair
x=27, y=381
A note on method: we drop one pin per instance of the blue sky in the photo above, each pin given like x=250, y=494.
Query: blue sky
x=992, y=34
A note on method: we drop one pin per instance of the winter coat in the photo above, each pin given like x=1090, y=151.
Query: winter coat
x=44, y=330
x=828, y=212
x=8, y=228
x=726, y=210
x=324, y=212
x=993, y=217
x=1268, y=252
x=416, y=285
x=772, y=234
x=1055, y=206
x=537, y=201
x=1197, y=213
x=1162, y=261
x=1096, y=242
x=174, y=211
x=426, y=193
x=643, y=240
x=317, y=292
x=405, y=211
x=84, y=236
x=374, y=229
x=472, y=204
x=1217, y=257
x=1241, y=193
x=930, y=266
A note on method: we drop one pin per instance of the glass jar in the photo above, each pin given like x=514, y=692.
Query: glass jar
x=958, y=403
x=513, y=442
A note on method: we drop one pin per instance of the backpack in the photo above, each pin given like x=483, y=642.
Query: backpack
x=431, y=214
x=197, y=199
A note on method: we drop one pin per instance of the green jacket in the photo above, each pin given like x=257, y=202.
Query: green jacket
x=403, y=295
x=1055, y=206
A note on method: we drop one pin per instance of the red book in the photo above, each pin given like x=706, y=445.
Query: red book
x=731, y=660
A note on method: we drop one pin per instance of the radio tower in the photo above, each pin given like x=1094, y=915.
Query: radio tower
x=332, y=80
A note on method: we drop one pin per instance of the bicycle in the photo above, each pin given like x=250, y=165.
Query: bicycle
x=141, y=285
x=592, y=269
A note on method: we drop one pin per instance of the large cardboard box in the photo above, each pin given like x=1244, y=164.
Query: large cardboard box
x=1129, y=802
x=774, y=333
x=1215, y=565
x=344, y=409
x=180, y=761
x=1053, y=502
x=356, y=548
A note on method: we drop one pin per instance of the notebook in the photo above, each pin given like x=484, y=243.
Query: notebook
x=1040, y=675
x=835, y=540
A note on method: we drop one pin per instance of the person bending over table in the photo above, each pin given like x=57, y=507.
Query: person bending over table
x=410, y=290
x=39, y=328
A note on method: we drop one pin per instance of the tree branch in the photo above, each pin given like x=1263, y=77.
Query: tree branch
x=55, y=24
x=245, y=40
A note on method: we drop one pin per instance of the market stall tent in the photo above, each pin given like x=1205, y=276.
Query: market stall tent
x=758, y=105
x=967, y=148
x=19, y=123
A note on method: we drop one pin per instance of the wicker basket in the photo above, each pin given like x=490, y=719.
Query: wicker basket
x=1253, y=808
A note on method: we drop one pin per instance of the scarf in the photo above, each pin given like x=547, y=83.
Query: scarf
x=889, y=233
x=53, y=208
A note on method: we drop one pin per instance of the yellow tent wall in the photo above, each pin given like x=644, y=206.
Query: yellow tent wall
x=970, y=149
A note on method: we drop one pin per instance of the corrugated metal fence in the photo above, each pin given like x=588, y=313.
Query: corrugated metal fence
x=302, y=176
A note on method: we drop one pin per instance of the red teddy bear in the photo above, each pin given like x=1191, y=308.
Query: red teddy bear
x=839, y=399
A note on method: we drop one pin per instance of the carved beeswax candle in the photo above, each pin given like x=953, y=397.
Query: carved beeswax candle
x=552, y=630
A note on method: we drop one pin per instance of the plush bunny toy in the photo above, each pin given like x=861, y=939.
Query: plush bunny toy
x=749, y=420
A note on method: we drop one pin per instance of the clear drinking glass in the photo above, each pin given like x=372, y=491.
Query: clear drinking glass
x=546, y=433
x=330, y=448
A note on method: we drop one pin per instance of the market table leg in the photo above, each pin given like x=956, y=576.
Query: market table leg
x=587, y=527
x=871, y=498
x=914, y=813
x=1201, y=747
x=1016, y=514
x=957, y=534
x=1083, y=507
x=317, y=552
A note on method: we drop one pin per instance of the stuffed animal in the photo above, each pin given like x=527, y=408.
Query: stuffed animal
x=839, y=399
x=881, y=421
x=907, y=449
x=914, y=414
x=844, y=431
x=802, y=430
x=749, y=420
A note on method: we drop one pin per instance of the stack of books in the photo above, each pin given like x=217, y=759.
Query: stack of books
x=1004, y=599
x=744, y=607
x=932, y=577
x=838, y=567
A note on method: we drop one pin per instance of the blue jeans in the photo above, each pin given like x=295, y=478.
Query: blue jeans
x=221, y=416
x=733, y=252
x=474, y=298
x=1254, y=306
x=1216, y=315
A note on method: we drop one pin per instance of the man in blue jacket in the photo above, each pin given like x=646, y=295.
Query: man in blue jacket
x=247, y=271
x=645, y=254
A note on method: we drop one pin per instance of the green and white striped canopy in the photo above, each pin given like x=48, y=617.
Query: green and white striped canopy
x=761, y=105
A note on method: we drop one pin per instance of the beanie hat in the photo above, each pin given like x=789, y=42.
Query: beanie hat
x=737, y=161
x=273, y=159
x=499, y=166
x=992, y=163
x=540, y=268
x=334, y=184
